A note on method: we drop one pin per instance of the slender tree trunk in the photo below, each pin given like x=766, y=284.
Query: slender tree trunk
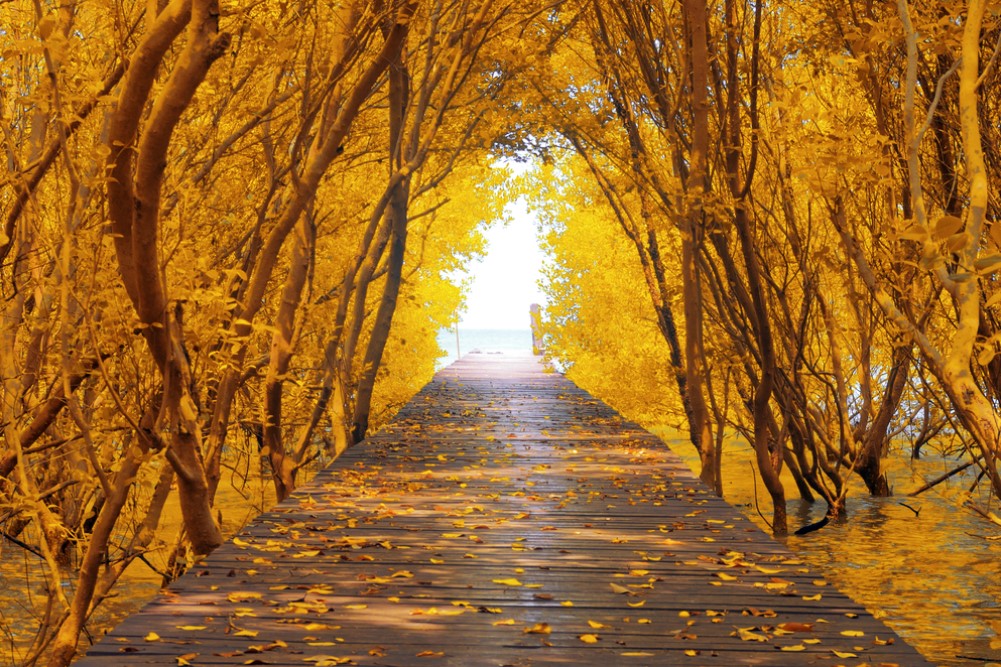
x=698, y=187
x=282, y=466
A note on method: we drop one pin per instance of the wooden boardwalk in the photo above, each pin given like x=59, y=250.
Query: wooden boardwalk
x=505, y=518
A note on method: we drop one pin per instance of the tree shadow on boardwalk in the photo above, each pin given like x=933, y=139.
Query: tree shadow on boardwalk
x=504, y=518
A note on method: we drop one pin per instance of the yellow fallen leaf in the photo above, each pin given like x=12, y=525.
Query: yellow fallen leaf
x=844, y=654
x=639, y=573
x=812, y=598
x=307, y=554
x=811, y=641
x=726, y=577
x=691, y=653
x=538, y=629
x=639, y=603
x=245, y=633
x=152, y=637
x=589, y=638
x=637, y=654
x=356, y=606
x=853, y=633
x=190, y=627
x=794, y=647
x=596, y=625
x=619, y=589
x=508, y=582
x=567, y=603
x=243, y=596
x=431, y=654
x=506, y=621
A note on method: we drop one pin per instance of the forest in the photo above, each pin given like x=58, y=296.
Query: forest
x=231, y=233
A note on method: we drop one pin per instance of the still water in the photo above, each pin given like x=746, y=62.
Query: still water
x=930, y=572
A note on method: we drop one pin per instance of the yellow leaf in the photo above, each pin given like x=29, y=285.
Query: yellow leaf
x=794, y=647
x=852, y=633
x=243, y=596
x=506, y=621
x=567, y=603
x=431, y=654
x=508, y=582
x=726, y=577
x=190, y=627
x=152, y=637
x=596, y=625
x=356, y=606
x=639, y=603
x=691, y=653
x=245, y=633
x=588, y=638
x=538, y=629
x=638, y=654
x=844, y=654
x=619, y=589
x=812, y=598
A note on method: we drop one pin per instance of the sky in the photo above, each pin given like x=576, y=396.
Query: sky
x=505, y=283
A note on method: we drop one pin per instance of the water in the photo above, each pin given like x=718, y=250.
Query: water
x=928, y=572
x=483, y=341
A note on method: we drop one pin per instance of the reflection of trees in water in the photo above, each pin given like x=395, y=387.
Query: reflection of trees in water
x=931, y=575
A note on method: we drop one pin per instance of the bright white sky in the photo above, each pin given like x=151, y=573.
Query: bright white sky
x=506, y=283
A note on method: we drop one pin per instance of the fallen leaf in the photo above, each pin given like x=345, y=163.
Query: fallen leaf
x=152, y=637
x=589, y=638
x=794, y=647
x=508, y=582
x=844, y=654
x=538, y=629
x=796, y=627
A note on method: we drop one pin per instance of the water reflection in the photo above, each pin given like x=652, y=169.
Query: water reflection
x=928, y=572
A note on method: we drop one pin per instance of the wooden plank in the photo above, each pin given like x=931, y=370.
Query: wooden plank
x=505, y=517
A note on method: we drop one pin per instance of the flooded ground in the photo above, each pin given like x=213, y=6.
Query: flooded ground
x=22, y=582
x=930, y=572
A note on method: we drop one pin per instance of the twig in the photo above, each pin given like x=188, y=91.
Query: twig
x=26, y=547
x=938, y=480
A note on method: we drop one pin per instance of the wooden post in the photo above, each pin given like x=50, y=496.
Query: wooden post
x=536, y=320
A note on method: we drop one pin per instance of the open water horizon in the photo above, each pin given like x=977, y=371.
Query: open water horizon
x=482, y=341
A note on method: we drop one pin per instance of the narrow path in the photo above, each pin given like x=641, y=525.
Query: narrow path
x=505, y=518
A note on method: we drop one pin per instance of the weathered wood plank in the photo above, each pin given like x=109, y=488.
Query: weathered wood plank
x=505, y=517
